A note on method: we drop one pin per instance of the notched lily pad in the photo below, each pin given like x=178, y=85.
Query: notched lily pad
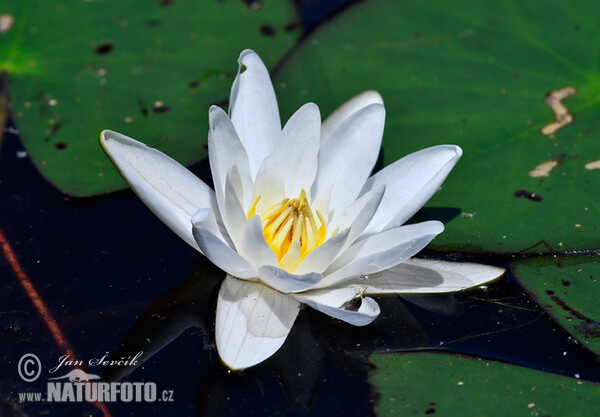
x=568, y=288
x=79, y=67
x=451, y=385
x=489, y=77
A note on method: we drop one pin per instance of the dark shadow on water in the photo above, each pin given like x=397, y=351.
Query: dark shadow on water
x=189, y=304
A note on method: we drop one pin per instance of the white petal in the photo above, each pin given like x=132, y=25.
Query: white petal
x=172, y=192
x=321, y=257
x=215, y=249
x=225, y=150
x=381, y=251
x=335, y=303
x=253, y=109
x=285, y=282
x=297, y=151
x=347, y=158
x=254, y=247
x=232, y=213
x=410, y=182
x=252, y=322
x=269, y=185
x=427, y=276
x=350, y=107
x=322, y=202
x=358, y=215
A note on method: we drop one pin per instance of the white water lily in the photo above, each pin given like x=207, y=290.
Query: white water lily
x=295, y=217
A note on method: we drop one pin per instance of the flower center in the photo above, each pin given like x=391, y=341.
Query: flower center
x=292, y=229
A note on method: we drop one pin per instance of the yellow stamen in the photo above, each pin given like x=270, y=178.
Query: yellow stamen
x=252, y=210
x=291, y=229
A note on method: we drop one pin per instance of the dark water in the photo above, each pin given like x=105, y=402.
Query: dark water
x=118, y=282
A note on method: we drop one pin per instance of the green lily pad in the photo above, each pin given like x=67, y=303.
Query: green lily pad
x=149, y=70
x=568, y=288
x=475, y=74
x=451, y=385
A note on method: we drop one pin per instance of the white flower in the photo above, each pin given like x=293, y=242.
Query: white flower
x=295, y=217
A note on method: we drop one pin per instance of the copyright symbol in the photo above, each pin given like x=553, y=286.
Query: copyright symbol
x=29, y=367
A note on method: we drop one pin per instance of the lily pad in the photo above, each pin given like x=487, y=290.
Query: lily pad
x=568, y=288
x=148, y=70
x=451, y=385
x=477, y=75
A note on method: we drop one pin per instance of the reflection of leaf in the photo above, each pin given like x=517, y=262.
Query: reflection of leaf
x=452, y=385
x=567, y=288
x=150, y=70
x=475, y=74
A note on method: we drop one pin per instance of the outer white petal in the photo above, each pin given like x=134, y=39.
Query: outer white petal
x=254, y=248
x=297, y=151
x=336, y=303
x=252, y=322
x=253, y=109
x=285, y=282
x=232, y=212
x=380, y=251
x=172, y=192
x=410, y=182
x=347, y=158
x=427, y=276
x=356, y=103
x=225, y=150
x=206, y=234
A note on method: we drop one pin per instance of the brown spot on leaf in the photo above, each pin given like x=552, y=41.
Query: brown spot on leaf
x=544, y=169
x=160, y=107
x=528, y=195
x=6, y=22
x=152, y=23
x=253, y=4
x=104, y=48
x=267, y=30
x=142, y=107
x=53, y=129
x=290, y=27
x=60, y=145
x=592, y=165
x=563, y=117
x=589, y=328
